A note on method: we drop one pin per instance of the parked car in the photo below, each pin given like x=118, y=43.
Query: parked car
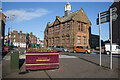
x=81, y=49
x=115, y=48
x=60, y=48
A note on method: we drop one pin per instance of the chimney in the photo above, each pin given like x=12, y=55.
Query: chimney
x=14, y=30
x=31, y=33
x=20, y=31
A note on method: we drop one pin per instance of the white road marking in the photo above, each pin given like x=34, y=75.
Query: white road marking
x=66, y=56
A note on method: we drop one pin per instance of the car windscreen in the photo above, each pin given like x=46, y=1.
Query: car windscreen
x=85, y=47
x=57, y=46
x=61, y=46
x=118, y=47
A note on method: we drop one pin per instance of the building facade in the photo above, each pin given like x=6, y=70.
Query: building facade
x=70, y=30
x=2, y=28
x=116, y=24
x=94, y=41
x=19, y=38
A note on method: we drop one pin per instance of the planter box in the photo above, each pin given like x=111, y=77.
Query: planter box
x=42, y=60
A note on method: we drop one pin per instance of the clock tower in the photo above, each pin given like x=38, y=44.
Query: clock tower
x=67, y=9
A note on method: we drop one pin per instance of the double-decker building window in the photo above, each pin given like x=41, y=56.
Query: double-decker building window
x=79, y=39
x=68, y=25
x=58, y=28
x=68, y=39
x=78, y=26
x=85, y=40
x=82, y=26
x=63, y=26
x=50, y=31
x=63, y=39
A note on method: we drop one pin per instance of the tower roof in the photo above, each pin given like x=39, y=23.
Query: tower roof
x=67, y=4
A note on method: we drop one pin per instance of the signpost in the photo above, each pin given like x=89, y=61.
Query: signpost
x=103, y=17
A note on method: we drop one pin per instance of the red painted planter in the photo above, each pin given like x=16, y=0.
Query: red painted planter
x=42, y=60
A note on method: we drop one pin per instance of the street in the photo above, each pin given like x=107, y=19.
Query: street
x=73, y=65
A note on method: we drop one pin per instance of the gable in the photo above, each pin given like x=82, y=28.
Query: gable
x=82, y=17
x=56, y=22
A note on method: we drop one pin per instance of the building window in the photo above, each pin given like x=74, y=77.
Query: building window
x=47, y=31
x=14, y=36
x=57, y=28
x=79, y=39
x=53, y=30
x=63, y=39
x=50, y=31
x=82, y=26
x=85, y=40
x=63, y=26
x=53, y=40
x=50, y=41
x=68, y=39
x=14, y=40
x=68, y=25
x=20, y=37
x=78, y=26
x=58, y=40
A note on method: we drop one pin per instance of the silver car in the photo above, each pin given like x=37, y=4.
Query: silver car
x=60, y=49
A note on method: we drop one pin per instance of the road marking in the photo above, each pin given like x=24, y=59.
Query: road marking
x=66, y=56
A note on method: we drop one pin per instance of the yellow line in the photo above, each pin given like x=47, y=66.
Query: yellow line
x=42, y=64
x=42, y=54
x=43, y=60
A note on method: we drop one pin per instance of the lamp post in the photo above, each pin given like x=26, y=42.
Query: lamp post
x=10, y=28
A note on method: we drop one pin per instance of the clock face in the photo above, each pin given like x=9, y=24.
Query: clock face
x=68, y=8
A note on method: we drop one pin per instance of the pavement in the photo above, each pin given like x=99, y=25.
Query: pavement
x=72, y=66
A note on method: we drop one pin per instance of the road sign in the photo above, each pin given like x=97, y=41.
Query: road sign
x=107, y=18
x=114, y=9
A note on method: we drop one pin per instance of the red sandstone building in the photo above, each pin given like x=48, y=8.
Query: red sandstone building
x=19, y=38
x=2, y=28
x=72, y=29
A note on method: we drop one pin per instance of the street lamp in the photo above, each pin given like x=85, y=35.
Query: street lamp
x=9, y=36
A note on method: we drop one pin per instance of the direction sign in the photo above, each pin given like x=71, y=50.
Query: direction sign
x=107, y=18
x=114, y=9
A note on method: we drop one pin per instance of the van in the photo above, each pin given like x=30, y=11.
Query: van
x=115, y=48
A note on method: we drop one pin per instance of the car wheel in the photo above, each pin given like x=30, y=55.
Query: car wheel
x=74, y=51
x=86, y=52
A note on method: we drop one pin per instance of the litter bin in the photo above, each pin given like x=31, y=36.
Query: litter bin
x=14, y=60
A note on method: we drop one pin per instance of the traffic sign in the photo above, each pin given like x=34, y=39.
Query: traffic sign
x=107, y=18
x=114, y=9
